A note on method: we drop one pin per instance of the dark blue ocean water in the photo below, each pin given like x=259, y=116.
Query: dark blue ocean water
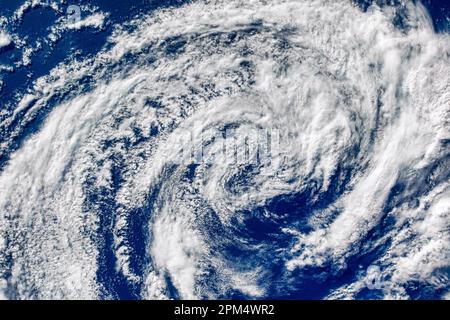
x=83, y=43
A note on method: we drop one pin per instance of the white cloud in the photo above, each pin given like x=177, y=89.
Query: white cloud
x=5, y=39
x=94, y=21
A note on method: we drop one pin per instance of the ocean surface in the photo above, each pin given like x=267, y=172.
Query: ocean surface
x=225, y=149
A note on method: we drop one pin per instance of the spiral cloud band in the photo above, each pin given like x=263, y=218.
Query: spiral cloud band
x=235, y=149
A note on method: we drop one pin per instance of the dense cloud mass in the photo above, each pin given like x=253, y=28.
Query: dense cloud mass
x=234, y=149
